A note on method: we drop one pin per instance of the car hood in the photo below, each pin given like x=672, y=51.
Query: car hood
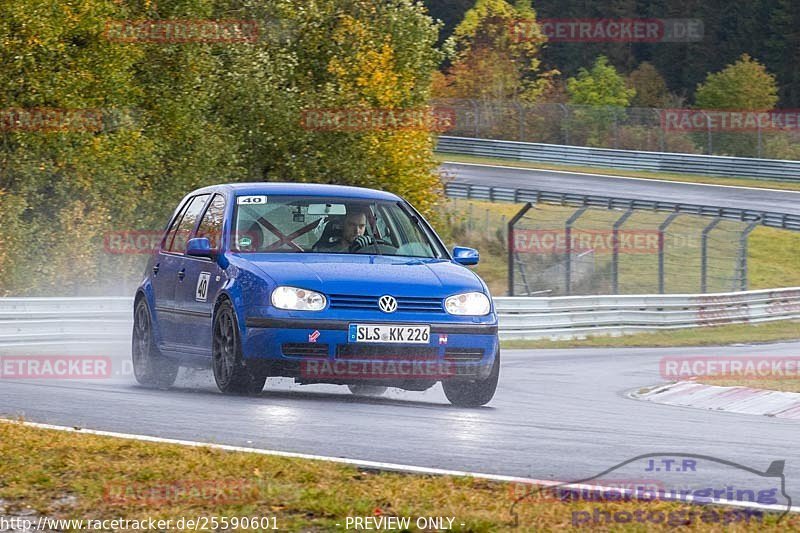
x=367, y=275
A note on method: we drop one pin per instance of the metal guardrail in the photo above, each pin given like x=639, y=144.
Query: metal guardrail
x=33, y=321
x=456, y=189
x=565, y=317
x=774, y=169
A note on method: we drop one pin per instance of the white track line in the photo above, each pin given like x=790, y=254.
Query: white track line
x=628, y=177
x=394, y=467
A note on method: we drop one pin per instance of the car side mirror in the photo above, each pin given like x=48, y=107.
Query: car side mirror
x=199, y=247
x=465, y=256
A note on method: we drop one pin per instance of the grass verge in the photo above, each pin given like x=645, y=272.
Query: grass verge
x=788, y=330
x=772, y=253
x=79, y=476
x=687, y=178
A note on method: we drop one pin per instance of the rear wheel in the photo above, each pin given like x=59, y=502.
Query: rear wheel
x=473, y=393
x=367, y=390
x=230, y=372
x=150, y=367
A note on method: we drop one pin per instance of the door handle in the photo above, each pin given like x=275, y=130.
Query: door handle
x=181, y=274
x=155, y=268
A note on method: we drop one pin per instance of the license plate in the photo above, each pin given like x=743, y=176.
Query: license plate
x=396, y=333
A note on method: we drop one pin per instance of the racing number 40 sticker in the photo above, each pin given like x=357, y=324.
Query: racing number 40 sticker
x=201, y=293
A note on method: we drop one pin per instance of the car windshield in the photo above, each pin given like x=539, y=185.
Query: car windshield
x=280, y=224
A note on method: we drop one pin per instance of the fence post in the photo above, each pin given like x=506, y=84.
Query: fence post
x=661, y=129
x=511, y=224
x=615, y=250
x=710, y=147
x=565, y=123
x=758, y=125
x=743, y=241
x=661, y=229
x=476, y=111
x=704, y=254
x=568, y=235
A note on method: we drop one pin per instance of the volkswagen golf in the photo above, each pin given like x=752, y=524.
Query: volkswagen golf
x=320, y=283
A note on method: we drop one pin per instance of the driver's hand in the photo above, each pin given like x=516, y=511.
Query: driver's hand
x=360, y=242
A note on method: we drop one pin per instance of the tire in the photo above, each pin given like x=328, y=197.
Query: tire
x=367, y=390
x=230, y=372
x=473, y=393
x=150, y=367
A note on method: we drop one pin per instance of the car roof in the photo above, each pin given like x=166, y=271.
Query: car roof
x=300, y=189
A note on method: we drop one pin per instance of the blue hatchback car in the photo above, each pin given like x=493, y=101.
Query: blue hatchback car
x=320, y=283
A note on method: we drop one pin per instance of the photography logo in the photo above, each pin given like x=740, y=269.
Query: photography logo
x=723, y=492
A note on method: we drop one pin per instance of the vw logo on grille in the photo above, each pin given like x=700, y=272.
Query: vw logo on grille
x=387, y=304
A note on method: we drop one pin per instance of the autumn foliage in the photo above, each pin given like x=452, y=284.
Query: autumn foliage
x=172, y=115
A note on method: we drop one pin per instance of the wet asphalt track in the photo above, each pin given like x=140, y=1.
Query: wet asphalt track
x=647, y=189
x=558, y=414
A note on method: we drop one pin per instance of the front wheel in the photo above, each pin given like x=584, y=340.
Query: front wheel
x=150, y=367
x=230, y=372
x=473, y=393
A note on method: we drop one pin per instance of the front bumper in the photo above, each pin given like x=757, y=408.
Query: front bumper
x=320, y=351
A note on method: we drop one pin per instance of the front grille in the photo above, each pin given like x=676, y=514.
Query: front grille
x=463, y=354
x=370, y=303
x=304, y=349
x=386, y=352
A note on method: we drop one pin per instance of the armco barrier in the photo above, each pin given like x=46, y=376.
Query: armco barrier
x=774, y=169
x=31, y=321
x=566, y=317
x=455, y=189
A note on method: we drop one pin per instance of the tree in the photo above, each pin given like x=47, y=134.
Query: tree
x=601, y=94
x=342, y=55
x=600, y=86
x=450, y=12
x=782, y=54
x=495, y=53
x=744, y=85
x=650, y=87
x=187, y=114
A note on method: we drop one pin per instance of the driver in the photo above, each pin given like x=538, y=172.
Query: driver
x=353, y=234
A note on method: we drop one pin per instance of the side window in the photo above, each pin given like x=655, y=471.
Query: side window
x=174, y=226
x=211, y=225
x=177, y=242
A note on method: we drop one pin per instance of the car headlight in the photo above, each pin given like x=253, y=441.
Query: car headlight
x=468, y=303
x=295, y=299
